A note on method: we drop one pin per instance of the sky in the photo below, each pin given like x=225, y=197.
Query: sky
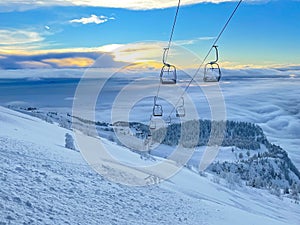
x=75, y=33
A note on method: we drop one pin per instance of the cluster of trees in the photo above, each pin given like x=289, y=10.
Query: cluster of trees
x=272, y=170
x=243, y=135
x=205, y=132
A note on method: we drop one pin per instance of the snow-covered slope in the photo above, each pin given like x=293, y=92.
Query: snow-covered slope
x=42, y=182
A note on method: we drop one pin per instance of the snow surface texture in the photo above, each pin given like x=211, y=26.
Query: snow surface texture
x=42, y=182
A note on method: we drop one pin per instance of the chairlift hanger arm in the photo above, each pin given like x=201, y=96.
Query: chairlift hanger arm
x=165, y=55
x=217, y=55
x=155, y=99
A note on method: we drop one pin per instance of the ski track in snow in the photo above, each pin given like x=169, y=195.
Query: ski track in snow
x=47, y=192
x=48, y=184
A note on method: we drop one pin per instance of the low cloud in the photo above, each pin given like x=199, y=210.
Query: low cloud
x=58, y=60
x=259, y=72
x=92, y=19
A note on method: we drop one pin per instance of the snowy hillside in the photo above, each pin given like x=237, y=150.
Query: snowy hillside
x=257, y=161
x=42, y=182
x=246, y=156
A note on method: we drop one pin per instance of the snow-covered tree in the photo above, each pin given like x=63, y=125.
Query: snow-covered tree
x=69, y=141
x=241, y=155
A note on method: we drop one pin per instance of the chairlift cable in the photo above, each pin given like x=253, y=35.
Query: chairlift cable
x=172, y=31
x=205, y=58
x=166, y=50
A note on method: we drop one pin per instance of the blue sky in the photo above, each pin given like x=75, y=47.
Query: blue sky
x=72, y=34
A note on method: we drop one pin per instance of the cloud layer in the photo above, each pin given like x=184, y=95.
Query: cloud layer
x=126, y=4
x=58, y=60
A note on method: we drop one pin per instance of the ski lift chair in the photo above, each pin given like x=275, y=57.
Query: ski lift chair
x=157, y=109
x=212, y=71
x=152, y=124
x=168, y=73
x=180, y=110
x=168, y=120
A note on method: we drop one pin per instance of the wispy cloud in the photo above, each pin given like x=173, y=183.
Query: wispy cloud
x=92, y=19
x=192, y=41
x=14, y=40
x=125, y=4
x=16, y=37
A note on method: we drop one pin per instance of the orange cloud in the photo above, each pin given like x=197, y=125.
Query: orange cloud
x=71, y=62
x=147, y=65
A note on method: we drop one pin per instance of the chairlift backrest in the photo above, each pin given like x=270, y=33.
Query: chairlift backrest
x=168, y=74
x=212, y=72
x=157, y=109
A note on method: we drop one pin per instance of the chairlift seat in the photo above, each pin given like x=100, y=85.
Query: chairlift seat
x=157, y=110
x=152, y=125
x=180, y=111
x=212, y=72
x=168, y=74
